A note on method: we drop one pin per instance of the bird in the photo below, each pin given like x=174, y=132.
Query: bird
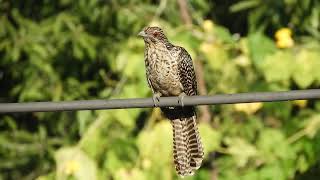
x=170, y=72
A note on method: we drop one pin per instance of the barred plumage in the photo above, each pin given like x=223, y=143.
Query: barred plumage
x=170, y=72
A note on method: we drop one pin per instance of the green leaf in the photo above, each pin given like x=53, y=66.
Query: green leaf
x=273, y=171
x=131, y=174
x=94, y=140
x=40, y=50
x=312, y=126
x=305, y=70
x=244, y=5
x=223, y=34
x=78, y=52
x=302, y=163
x=247, y=152
x=124, y=117
x=122, y=154
x=210, y=138
x=155, y=147
x=84, y=118
x=275, y=147
x=260, y=47
x=278, y=67
x=216, y=55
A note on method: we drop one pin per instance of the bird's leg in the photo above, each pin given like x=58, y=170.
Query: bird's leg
x=156, y=99
x=180, y=98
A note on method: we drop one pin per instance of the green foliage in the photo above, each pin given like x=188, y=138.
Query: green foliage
x=302, y=16
x=88, y=49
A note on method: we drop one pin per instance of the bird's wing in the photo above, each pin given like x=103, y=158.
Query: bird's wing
x=150, y=84
x=186, y=73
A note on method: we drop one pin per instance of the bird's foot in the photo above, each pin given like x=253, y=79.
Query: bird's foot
x=156, y=99
x=180, y=99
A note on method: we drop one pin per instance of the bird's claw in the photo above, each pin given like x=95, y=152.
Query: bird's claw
x=180, y=99
x=156, y=99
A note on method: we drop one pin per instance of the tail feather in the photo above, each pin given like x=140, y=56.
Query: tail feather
x=195, y=148
x=187, y=147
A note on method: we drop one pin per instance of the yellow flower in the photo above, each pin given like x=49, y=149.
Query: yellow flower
x=284, y=38
x=300, y=103
x=146, y=163
x=248, y=108
x=206, y=47
x=71, y=167
x=242, y=60
x=207, y=25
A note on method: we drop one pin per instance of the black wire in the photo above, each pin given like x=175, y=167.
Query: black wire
x=164, y=101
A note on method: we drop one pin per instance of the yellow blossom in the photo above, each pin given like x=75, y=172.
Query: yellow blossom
x=207, y=25
x=71, y=167
x=206, y=47
x=248, y=108
x=300, y=103
x=242, y=60
x=284, y=38
x=146, y=163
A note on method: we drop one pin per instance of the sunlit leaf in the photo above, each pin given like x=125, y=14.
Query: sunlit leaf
x=278, y=67
x=155, y=147
x=83, y=119
x=241, y=150
x=312, y=126
x=210, y=138
x=305, y=68
x=260, y=47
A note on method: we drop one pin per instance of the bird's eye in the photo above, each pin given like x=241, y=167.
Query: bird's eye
x=155, y=34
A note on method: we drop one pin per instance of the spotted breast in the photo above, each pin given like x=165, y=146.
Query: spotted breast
x=162, y=68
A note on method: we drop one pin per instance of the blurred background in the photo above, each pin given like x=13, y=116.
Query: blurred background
x=89, y=49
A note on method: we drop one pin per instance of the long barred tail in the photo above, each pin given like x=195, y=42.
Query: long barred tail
x=187, y=147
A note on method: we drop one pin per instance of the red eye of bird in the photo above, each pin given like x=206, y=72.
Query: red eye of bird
x=155, y=34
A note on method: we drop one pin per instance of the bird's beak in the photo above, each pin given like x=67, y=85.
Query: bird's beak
x=142, y=34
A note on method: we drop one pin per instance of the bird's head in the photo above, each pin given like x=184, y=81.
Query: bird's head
x=153, y=35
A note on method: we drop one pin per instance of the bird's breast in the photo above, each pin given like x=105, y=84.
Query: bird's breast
x=163, y=73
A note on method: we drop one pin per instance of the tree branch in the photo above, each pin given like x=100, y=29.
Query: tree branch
x=205, y=115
